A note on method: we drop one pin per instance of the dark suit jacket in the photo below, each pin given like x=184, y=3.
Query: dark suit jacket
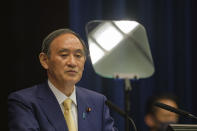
x=36, y=108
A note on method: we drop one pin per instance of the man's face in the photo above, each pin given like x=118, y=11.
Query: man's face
x=65, y=63
x=165, y=116
x=161, y=118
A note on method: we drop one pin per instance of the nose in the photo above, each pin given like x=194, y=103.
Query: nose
x=71, y=61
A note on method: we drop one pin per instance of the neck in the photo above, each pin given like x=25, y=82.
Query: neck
x=67, y=89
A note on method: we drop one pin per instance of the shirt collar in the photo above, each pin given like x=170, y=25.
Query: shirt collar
x=61, y=96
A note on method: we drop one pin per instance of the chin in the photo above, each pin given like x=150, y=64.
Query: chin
x=74, y=81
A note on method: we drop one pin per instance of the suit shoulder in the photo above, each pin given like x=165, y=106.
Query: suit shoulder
x=91, y=93
x=29, y=92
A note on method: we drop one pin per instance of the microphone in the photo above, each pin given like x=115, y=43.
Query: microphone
x=177, y=111
x=121, y=112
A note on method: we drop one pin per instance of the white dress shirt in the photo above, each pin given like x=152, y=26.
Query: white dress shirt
x=61, y=97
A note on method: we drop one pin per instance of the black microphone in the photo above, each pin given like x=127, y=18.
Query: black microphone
x=172, y=109
x=121, y=112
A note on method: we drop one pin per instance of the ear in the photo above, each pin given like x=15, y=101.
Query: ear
x=149, y=120
x=43, y=60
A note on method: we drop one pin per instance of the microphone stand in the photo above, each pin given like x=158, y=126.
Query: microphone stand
x=121, y=112
x=127, y=90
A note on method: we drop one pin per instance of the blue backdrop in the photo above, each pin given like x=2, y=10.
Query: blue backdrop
x=170, y=28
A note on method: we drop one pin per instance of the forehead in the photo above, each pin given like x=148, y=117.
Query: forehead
x=66, y=41
x=167, y=102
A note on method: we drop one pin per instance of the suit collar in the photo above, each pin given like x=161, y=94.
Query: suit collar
x=61, y=96
x=51, y=107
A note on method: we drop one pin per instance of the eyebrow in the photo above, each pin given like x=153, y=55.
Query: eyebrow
x=76, y=51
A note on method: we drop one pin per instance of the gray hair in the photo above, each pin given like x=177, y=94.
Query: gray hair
x=48, y=40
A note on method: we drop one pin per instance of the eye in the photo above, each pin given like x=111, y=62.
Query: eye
x=78, y=55
x=63, y=55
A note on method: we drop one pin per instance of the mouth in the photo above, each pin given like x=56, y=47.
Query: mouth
x=72, y=72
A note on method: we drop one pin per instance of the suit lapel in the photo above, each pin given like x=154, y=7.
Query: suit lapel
x=84, y=123
x=51, y=108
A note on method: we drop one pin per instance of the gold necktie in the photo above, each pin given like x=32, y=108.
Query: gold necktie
x=68, y=115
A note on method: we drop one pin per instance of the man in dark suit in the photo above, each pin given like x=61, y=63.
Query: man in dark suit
x=43, y=107
x=158, y=119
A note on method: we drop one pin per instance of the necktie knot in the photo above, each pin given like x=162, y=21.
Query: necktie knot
x=67, y=104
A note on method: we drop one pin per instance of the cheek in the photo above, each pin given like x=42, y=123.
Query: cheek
x=81, y=65
x=81, y=68
x=173, y=117
x=56, y=65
